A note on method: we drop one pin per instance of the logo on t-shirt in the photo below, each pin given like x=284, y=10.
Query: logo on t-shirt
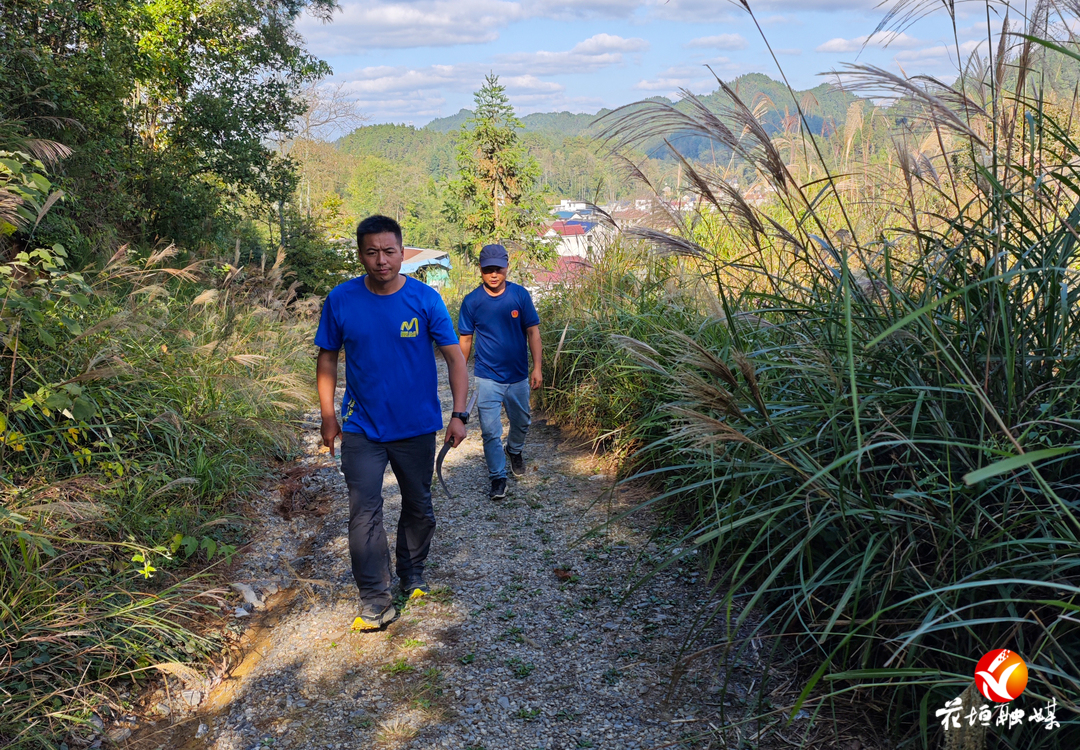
x=513, y=313
x=409, y=329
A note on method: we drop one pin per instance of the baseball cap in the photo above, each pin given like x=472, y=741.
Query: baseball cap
x=494, y=255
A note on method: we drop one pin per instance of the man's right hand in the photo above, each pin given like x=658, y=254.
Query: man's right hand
x=330, y=430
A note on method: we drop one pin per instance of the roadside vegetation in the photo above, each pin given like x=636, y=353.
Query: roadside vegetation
x=154, y=342
x=143, y=401
x=862, y=393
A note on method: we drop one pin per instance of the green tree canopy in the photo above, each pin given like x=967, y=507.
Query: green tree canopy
x=169, y=105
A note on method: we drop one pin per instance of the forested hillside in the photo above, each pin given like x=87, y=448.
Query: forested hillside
x=403, y=170
x=565, y=124
x=575, y=158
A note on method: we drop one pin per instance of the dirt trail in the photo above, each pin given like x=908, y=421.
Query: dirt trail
x=525, y=642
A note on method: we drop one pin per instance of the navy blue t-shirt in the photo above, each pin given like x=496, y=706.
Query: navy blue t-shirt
x=391, y=383
x=497, y=325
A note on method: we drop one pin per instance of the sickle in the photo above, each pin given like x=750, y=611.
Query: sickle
x=446, y=449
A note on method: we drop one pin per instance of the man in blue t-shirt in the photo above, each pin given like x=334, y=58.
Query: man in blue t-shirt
x=498, y=319
x=387, y=324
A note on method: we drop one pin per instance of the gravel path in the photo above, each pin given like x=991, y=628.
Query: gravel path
x=526, y=641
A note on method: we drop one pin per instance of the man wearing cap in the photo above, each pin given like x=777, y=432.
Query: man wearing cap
x=499, y=315
x=387, y=324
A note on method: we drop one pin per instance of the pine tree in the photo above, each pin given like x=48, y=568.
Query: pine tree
x=495, y=197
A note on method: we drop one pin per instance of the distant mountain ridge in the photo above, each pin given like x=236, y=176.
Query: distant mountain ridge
x=566, y=147
x=566, y=124
x=825, y=102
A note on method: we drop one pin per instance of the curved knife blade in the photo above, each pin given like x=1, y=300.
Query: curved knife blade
x=438, y=470
x=446, y=449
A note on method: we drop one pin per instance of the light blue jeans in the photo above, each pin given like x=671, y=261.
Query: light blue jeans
x=490, y=399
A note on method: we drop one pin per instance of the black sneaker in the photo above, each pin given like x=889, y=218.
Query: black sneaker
x=517, y=464
x=369, y=619
x=498, y=489
x=414, y=588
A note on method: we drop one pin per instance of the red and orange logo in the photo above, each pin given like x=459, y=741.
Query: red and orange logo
x=1001, y=675
x=513, y=313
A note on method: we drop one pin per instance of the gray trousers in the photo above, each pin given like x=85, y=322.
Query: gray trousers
x=363, y=463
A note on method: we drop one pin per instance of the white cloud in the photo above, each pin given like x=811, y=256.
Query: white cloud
x=880, y=39
x=400, y=93
x=556, y=101
x=978, y=28
x=371, y=83
x=360, y=26
x=721, y=41
x=667, y=85
x=407, y=110
x=577, y=9
x=603, y=43
x=530, y=85
x=818, y=5
x=691, y=11
x=940, y=53
x=596, y=52
x=695, y=78
x=780, y=18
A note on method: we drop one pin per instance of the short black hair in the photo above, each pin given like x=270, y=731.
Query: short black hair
x=377, y=224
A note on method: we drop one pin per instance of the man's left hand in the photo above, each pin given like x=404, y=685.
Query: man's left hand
x=455, y=432
x=536, y=379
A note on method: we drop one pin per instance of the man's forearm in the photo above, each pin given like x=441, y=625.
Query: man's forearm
x=536, y=347
x=326, y=367
x=459, y=376
x=466, y=346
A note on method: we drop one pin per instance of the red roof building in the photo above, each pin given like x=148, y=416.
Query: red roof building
x=568, y=269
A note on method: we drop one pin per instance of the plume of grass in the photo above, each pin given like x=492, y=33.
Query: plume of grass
x=882, y=465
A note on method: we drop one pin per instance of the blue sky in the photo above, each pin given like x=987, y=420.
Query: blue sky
x=413, y=60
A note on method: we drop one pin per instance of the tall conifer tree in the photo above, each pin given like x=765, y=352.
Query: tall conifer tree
x=495, y=196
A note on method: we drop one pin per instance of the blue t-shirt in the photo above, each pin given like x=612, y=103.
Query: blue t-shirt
x=497, y=325
x=391, y=383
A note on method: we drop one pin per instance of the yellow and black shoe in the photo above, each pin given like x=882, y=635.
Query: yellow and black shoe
x=369, y=620
x=414, y=588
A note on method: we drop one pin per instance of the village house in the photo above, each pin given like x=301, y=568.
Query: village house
x=759, y=194
x=578, y=238
x=429, y=266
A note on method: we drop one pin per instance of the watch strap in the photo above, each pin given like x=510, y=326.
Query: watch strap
x=462, y=415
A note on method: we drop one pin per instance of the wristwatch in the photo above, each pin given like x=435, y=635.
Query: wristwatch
x=462, y=415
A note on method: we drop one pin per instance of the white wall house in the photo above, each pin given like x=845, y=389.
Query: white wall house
x=570, y=205
x=578, y=238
